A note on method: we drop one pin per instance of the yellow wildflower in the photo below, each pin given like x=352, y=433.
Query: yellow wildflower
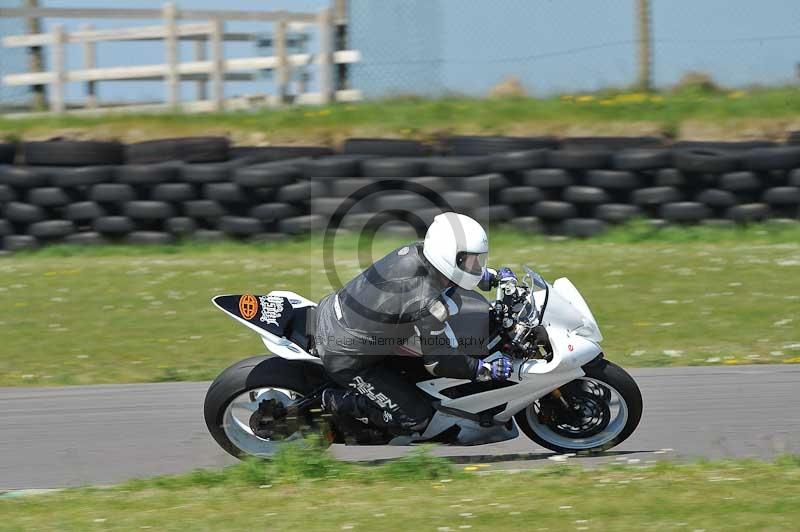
x=633, y=97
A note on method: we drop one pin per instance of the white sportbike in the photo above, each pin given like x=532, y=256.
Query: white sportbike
x=563, y=394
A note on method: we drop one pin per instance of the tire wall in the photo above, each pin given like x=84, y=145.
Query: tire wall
x=161, y=191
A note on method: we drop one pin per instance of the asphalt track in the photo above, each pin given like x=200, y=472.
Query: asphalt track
x=56, y=437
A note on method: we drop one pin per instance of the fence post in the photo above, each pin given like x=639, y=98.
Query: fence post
x=90, y=61
x=58, y=69
x=172, y=79
x=325, y=59
x=217, y=64
x=200, y=55
x=282, y=70
x=33, y=26
x=644, y=41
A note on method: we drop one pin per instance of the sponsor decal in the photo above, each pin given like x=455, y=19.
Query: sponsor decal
x=403, y=251
x=248, y=306
x=570, y=347
x=271, y=309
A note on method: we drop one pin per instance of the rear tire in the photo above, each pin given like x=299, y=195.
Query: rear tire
x=264, y=371
x=611, y=375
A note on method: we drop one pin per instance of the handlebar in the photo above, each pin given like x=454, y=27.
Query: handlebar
x=520, y=338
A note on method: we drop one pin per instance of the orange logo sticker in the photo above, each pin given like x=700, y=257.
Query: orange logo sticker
x=248, y=306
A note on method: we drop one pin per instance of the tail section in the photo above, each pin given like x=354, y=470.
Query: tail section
x=284, y=320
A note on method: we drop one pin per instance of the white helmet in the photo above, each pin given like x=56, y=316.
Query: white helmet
x=457, y=246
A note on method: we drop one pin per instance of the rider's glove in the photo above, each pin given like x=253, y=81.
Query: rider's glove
x=497, y=370
x=488, y=279
x=505, y=274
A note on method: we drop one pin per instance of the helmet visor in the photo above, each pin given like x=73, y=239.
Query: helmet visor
x=471, y=263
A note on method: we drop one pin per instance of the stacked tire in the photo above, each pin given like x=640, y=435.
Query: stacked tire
x=166, y=190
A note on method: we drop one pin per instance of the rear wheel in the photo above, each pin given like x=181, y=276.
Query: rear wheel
x=602, y=409
x=249, y=407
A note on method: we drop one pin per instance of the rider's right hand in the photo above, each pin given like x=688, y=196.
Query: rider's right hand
x=497, y=370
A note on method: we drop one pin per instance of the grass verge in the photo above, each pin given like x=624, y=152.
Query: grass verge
x=305, y=489
x=683, y=296
x=689, y=114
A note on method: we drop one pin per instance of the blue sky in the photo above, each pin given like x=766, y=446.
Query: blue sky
x=433, y=46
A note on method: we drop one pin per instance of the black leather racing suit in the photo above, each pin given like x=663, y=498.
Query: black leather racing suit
x=372, y=317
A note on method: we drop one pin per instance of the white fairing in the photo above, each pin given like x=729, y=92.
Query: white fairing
x=535, y=378
x=567, y=309
x=574, y=337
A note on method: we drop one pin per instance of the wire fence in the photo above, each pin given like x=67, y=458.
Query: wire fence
x=435, y=48
x=12, y=60
x=440, y=47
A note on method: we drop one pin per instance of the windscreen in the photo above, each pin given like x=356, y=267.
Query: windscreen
x=537, y=284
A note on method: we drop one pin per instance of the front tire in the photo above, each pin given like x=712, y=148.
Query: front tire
x=245, y=384
x=616, y=399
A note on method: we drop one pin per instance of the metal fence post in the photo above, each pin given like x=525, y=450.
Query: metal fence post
x=282, y=70
x=172, y=79
x=325, y=59
x=58, y=68
x=90, y=61
x=217, y=64
x=644, y=38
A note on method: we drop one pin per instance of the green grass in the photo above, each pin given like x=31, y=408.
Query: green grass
x=427, y=493
x=683, y=113
x=674, y=297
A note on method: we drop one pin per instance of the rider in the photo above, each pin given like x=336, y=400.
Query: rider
x=409, y=291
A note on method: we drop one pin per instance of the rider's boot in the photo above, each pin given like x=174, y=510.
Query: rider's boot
x=356, y=416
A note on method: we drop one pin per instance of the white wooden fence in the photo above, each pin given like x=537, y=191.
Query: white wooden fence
x=212, y=67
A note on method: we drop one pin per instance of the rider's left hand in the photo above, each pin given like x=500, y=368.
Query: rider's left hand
x=497, y=370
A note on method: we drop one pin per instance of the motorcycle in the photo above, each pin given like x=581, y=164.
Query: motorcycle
x=563, y=394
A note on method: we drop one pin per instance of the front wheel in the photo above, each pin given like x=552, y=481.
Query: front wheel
x=594, y=413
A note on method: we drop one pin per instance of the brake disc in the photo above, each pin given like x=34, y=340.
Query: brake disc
x=588, y=415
